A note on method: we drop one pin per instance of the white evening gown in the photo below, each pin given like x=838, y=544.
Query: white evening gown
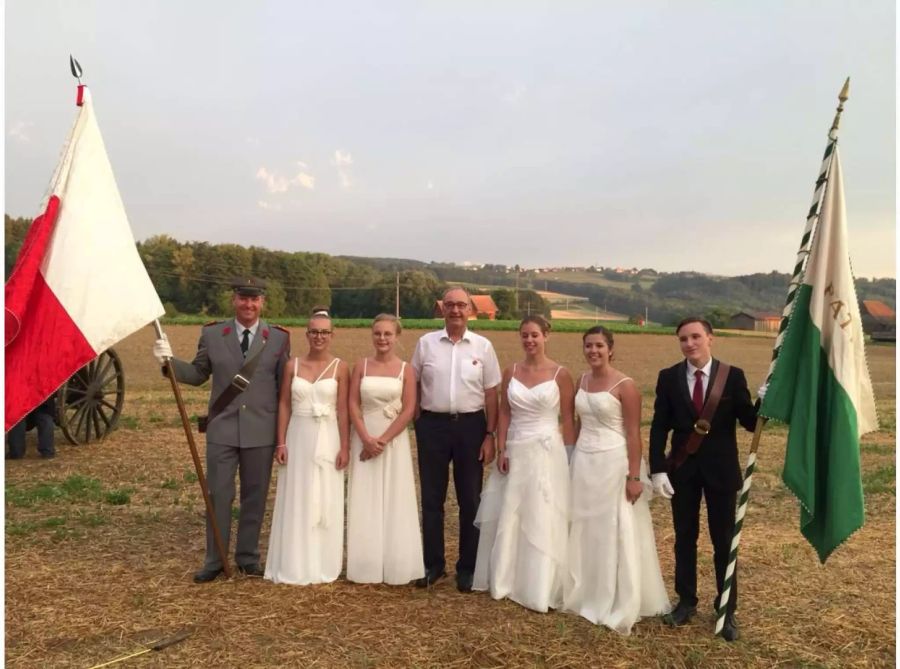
x=384, y=541
x=523, y=516
x=614, y=576
x=306, y=540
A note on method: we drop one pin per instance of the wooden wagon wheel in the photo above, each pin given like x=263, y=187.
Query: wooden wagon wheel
x=89, y=404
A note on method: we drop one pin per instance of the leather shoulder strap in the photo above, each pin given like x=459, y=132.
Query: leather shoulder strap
x=239, y=383
x=701, y=427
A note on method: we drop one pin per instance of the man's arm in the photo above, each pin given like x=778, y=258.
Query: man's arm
x=659, y=427
x=197, y=371
x=744, y=409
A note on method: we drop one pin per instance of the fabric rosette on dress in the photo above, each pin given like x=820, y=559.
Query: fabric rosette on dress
x=523, y=516
x=614, y=577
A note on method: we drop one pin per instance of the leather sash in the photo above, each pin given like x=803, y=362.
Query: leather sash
x=239, y=383
x=702, y=426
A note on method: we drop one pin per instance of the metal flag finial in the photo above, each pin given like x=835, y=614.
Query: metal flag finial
x=842, y=98
x=75, y=66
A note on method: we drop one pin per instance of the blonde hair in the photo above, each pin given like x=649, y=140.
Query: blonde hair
x=390, y=318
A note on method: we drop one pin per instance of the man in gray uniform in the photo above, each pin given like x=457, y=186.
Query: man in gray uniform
x=240, y=436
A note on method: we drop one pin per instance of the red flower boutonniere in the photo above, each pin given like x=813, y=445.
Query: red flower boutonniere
x=226, y=330
x=266, y=333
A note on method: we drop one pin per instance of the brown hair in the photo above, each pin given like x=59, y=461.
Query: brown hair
x=600, y=330
x=391, y=318
x=695, y=319
x=538, y=320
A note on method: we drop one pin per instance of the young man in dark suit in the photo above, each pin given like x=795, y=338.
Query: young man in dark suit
x=712, y=470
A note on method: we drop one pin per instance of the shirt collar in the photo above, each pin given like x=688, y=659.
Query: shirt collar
x=240, y=328
x=706, y=369
x=446, y=335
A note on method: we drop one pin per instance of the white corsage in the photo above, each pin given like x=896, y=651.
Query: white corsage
x=393, y=409
x=321, y=410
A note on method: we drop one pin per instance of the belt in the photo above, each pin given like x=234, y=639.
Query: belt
x=451, y=416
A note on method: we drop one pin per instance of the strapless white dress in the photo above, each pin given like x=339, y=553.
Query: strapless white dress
x=306, y=543
x=614, y=576
x=523, y=516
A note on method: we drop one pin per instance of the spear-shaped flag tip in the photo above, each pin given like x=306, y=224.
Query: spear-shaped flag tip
x=75, y=67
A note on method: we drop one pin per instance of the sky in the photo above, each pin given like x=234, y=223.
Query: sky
x=673, y=135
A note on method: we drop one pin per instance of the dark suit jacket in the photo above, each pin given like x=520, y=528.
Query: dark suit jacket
x=716, y=461
x=249, y=420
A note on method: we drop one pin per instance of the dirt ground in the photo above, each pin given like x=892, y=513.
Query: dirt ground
x=101, y=543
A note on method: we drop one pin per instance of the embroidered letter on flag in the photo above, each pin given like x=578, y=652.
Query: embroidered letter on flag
x=820, y=385
x=78, y=285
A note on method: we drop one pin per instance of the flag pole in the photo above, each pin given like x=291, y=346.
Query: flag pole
x=198, y=466
x=812, y=218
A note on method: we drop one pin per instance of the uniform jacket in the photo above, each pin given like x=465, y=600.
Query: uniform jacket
x=716, y=461
x=249, y=420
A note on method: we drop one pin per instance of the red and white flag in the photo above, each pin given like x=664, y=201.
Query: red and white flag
x=78, y=285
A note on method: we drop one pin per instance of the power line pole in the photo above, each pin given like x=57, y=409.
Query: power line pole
x=397, y=297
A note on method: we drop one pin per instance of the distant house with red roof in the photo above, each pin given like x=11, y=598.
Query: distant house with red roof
x=878, y=319
x=760, y=321
x=481, y=306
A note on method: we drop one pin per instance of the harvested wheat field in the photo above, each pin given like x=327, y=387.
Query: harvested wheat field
x=102, y=541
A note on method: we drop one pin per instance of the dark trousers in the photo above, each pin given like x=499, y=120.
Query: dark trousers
x=440, y=440
x=254, y=465
x=43, y=421
x=720, y=507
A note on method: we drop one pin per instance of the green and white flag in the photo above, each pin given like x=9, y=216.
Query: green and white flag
x=820, y=384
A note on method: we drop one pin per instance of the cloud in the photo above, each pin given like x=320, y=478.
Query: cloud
x=19, y=131
x=277, y=183
x=343, y=160
x=262, y=204
x=516, y=94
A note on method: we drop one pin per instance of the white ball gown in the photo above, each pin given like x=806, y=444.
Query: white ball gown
x=614, y=575
x=306, y=540
x=384, y=541
x=523, y=516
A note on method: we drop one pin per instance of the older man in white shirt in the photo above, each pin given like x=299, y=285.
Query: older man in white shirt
x=458, y=375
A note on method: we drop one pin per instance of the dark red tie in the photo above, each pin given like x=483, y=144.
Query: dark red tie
x=697, y=397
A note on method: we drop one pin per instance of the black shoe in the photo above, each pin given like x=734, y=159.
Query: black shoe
x=430, y=578
x=730, y=628
x=13, y=456
x=251, y=569
x=206, y=575
x=464, y=582
x=48, y=456
x=681, y=615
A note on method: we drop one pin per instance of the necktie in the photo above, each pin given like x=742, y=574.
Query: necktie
x=245, y=342
x=697, y=397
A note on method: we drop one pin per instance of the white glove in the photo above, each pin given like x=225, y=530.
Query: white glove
x=761, y=393
x=162, y=351
x=662, y=486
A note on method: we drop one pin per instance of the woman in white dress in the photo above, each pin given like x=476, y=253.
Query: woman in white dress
x=384, y=541
x=523, y=516
x=614, y=569
x=307, y=537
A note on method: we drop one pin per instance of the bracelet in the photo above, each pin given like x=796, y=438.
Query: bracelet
x=632, y=478
x=281, y=446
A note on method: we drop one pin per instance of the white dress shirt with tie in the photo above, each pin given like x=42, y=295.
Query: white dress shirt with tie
x=239, y=332
x=454, y=376
x=692, y=378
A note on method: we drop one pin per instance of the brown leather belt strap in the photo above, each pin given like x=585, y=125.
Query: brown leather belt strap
x=239, y=383
x=702, y=426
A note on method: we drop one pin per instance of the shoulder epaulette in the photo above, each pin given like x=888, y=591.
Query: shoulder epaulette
x=283, y=329
x=206, y=325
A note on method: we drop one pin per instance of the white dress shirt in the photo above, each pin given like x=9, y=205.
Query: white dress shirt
x=454, y=376
x=691, y=378
x=239, y=331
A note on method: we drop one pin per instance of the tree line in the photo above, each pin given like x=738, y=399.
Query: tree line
x=194, y=278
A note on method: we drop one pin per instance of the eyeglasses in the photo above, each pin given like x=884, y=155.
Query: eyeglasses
x=318, y=333
x=456, y=305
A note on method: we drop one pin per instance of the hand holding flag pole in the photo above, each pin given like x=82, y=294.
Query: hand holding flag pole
x=806, y=240
x=198, y=466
